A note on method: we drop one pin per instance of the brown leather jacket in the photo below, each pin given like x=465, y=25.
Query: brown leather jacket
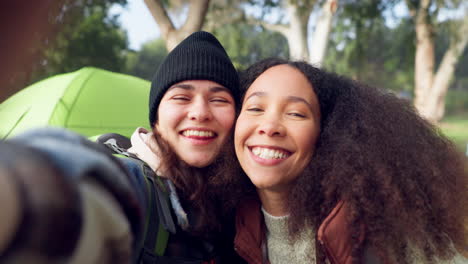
x=333, y=234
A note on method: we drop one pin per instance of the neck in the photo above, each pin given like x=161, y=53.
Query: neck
x=274, y=202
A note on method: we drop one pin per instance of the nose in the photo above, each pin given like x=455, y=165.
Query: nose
x=199, y=111
x=272, y=127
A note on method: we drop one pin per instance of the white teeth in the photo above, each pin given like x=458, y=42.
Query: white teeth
x=198, y=133
x=276, y=155
x=256, y=151
x=266, y=153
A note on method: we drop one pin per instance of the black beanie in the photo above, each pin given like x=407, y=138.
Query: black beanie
x=198, y=57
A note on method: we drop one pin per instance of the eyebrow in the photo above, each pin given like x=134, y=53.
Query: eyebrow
x=289, y=98
x=300, y=99
x=259, y=94
x=213, y=89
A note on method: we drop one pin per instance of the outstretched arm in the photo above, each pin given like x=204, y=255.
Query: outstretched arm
x=68, y=201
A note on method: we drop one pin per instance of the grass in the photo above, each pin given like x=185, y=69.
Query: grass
x=456, y=128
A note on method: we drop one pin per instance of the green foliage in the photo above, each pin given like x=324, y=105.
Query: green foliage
x=224, y=12
x=456, y=129
x=96, y=41
x=145, y=62
x=85, y=36
x=456, y=102
x=247, y=44
x=274, y=11
x=373, y=53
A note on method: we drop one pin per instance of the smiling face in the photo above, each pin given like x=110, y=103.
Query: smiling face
x=195, y=117
x=277, y=128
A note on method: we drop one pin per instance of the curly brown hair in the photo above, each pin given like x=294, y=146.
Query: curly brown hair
x=398, y=173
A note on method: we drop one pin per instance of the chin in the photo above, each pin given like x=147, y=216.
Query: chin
x=199, y=163
x=260, y=184
x=263, y=182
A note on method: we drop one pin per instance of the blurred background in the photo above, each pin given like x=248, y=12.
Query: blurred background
x=414, y=48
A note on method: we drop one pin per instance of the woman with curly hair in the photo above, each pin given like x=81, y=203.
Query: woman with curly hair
x=341, y=172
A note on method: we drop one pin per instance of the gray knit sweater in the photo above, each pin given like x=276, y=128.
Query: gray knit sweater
x=281, y=249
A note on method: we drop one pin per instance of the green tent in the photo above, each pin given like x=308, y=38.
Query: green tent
x=89, y=101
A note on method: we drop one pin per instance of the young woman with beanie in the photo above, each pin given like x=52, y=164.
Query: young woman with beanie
x=192, y=108
x=339, y=172
x=110, y=215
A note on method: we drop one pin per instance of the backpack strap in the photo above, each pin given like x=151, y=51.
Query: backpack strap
x=155, y=236
x=159, y=221
x=117, y=144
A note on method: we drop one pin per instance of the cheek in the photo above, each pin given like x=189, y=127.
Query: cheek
x=167, y=121
x=245, y=128
x=306, y=140
x=225, y=118
x=169, y=114
x=237, y=141
x=240, y=130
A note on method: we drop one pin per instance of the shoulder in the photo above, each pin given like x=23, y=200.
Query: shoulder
x=249, y=218
x=248, y=208
x=335, y=234
x=138, y=171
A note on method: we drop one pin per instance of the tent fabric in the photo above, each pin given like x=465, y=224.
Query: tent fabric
x=89, y=101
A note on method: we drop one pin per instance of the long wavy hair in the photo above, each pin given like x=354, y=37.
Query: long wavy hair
x=399, y=175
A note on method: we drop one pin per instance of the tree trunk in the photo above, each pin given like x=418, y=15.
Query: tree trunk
x=424, y=60
x=436, y=105
x=322, y=31
x=171, y=35
x=431, y=88
x=297, y=33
